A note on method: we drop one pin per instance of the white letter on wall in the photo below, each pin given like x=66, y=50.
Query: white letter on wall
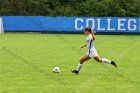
x=129, y=24
x=76, y=23
x=121, y=24
x=109, y=25
x=93, y=22
x=99, y=24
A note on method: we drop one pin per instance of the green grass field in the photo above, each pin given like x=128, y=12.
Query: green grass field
x=27, y=60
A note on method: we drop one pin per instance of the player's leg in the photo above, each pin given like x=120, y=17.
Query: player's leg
x=104, y=60
x=82, y=60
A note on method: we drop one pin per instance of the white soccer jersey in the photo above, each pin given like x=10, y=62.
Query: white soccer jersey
x=90, y=46
x=89, y=42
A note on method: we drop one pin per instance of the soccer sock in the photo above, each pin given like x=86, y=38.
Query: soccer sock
x=104, y=60
x=79, y=67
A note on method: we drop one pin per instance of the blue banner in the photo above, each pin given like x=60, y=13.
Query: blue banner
x=71, y=24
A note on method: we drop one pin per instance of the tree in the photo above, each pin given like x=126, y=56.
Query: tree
x=71, y=7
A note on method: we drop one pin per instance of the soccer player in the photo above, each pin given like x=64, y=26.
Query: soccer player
x=92, y=52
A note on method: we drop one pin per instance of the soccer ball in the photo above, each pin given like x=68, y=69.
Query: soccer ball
x=56, y=70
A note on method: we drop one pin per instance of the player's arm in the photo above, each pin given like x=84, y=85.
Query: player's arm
x=83, y=46
x=93, y=33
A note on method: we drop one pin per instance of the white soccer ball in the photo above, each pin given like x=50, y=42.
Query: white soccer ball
x=56, y=70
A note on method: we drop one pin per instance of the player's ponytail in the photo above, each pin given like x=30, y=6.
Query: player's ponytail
x=90, y=30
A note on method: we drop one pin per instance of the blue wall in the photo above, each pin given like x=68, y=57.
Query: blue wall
x=71, y=24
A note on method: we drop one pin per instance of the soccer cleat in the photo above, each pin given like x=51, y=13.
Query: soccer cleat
x=75, y=71
x=113, y=63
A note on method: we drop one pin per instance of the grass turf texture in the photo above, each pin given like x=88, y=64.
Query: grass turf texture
x=27, y=60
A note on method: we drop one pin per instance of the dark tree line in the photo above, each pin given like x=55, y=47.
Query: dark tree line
x=71, y=7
